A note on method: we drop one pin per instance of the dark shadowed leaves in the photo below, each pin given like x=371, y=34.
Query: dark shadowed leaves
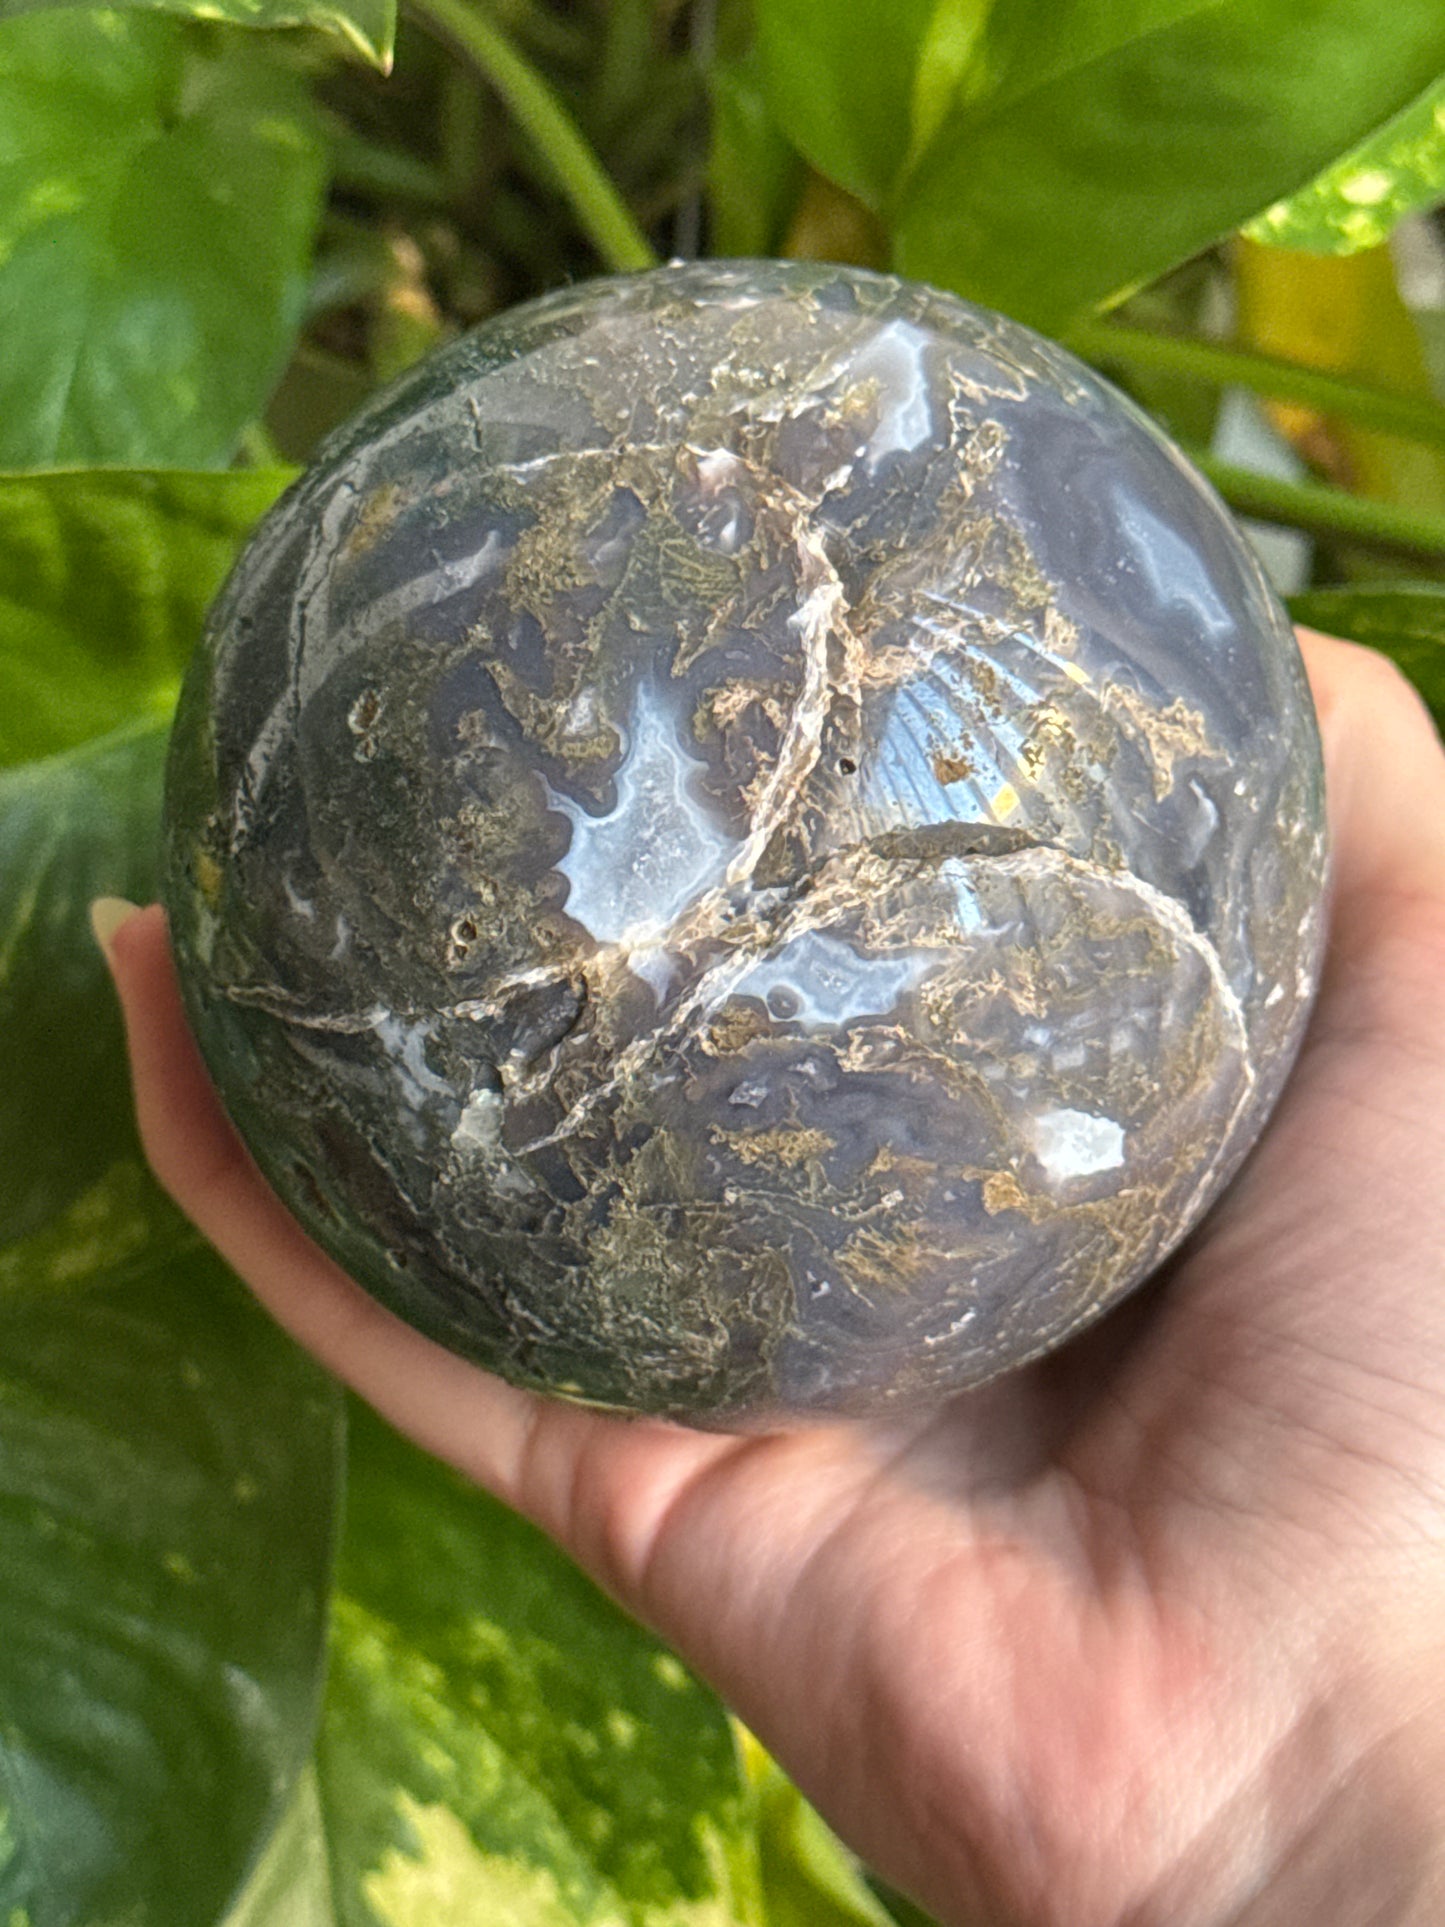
x=367, y=25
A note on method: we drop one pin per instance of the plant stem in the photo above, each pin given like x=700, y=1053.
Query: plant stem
x=1418, y=420
x=1326, y=511
x=359, y=163
x=536, y=27
x=601, y=212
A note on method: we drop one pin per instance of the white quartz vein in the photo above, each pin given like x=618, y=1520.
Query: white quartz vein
x=1175, y=920
x=821, y=611
x=794, y=917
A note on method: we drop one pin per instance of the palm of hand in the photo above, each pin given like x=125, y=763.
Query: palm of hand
x=1120, y=1637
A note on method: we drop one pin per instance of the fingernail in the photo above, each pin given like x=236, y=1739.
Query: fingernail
x=107, y=914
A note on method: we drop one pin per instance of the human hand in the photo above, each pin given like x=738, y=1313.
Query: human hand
x=1150, y=1632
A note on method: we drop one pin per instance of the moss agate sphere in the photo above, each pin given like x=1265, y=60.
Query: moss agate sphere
x=747, y=842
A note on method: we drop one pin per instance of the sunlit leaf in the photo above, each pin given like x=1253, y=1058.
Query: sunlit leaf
x=159, y=190
x=841, y=81
x=105, y=576
x=500, y=1743
x=948, y=54
x=1358, y=201
x=71, y=828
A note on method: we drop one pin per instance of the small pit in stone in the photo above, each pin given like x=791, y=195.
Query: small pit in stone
x=361, y=719
x=463, y=934
x=311, y=1191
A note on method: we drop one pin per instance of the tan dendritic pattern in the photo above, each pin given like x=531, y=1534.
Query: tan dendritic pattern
x=749, y=840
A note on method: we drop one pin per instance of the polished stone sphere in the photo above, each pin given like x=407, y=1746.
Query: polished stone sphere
x=748, y=842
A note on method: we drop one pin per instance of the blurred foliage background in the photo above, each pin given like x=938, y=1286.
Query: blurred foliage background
x=261, y=1662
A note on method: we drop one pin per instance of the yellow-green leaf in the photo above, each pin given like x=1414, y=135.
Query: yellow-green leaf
x=1359, y=200
x=159, y=192
x=500, y=1744
x=105, y=577
x=1059, y=192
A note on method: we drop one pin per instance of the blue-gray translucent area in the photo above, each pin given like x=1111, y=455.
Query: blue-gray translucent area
x=640, y=865
x=748, y=841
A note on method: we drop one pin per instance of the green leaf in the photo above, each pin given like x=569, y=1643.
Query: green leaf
x=809, y=1877
x=902, y=1910
x=841, y=81
x=71, y=828
x=291, y=1887
x=105, y=577
x=168, y=1459
x=1404, y=620
x=753, y=173
x=159, y=190
x=1033, y=42
x=168, y=1464
x=499, y=1742
x=367, y=25
x=1360, y=200
x=1061, y=191
x=948, y=66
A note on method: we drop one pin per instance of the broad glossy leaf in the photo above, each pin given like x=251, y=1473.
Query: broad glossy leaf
x=841, y=81
x=1060, y=194
x=291, y=1886
x=159, y=190
x=1404, y=620
x=500, y=1744
x=72, y=827
x=1031, y=42
x=367, y=25
x=1360, y=200
x=168, y=1466
x=863, y=90
x=168, y=1460
x=105, y=577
